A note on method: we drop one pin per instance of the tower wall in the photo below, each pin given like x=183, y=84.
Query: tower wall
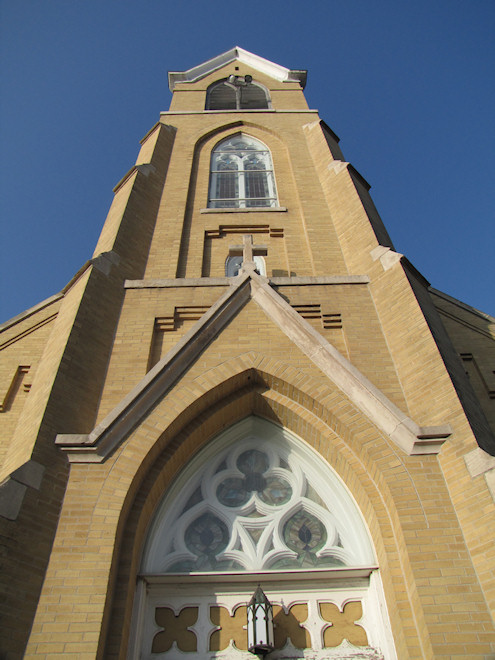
x=151, y=351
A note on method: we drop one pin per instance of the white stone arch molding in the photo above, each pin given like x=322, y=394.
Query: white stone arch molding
x=250, y=487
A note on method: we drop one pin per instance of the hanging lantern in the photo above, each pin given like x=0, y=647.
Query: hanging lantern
x=260, y=623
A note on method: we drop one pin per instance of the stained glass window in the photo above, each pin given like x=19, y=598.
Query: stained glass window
x=241, y=174
x=257, y=504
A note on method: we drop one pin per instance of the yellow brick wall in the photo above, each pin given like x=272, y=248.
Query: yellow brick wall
x=309, y=245
x=21, y=346
x=192, y=96
x=436, y=605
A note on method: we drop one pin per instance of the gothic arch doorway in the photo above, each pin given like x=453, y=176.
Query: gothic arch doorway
x=258, y=506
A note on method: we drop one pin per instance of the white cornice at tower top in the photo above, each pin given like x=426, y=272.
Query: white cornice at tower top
x=264, y=66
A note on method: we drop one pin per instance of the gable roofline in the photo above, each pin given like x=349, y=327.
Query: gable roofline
x=462, y=305
x=271, y=69
x=110, y=432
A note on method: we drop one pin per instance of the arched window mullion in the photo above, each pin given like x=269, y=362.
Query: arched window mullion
x=239, y=95
x=242, y=184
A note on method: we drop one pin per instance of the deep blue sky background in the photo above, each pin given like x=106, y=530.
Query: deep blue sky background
x=408, y=87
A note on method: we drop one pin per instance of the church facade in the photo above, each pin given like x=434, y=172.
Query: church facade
x=247, y=385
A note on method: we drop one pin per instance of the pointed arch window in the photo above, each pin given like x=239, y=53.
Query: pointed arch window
x=258, y=505
x=261, y=503
x=241, y=174
x=237, y=95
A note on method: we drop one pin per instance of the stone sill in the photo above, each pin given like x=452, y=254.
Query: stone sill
x=256, y=209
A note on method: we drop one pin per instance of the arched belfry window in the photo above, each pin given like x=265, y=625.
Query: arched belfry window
x=241, y=174
x=234, y=93
x=258, y=507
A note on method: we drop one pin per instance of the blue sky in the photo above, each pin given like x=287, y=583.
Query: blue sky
x=408, y=87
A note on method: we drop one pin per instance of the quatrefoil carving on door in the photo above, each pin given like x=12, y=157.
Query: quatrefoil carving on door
x=337, y=626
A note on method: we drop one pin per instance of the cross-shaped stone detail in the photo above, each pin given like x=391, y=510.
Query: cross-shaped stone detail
x=248, y=250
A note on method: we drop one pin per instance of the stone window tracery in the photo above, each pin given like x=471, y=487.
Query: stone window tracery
x=256, y=506
x=241, y=174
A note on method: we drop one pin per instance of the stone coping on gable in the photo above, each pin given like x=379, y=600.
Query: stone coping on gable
x=403, y=431
x=29, y=312
x=462, y=305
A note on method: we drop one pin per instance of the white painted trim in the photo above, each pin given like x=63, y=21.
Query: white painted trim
x=317, y=574
x=374, y=619
x=258, y=209
x=262, y=65
x=283, y=587
x=241, y=156
x=138, y=613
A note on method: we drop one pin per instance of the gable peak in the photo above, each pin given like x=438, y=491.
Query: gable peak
x=237, y=53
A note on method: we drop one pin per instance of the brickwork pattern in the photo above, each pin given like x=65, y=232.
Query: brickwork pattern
x=21, y=346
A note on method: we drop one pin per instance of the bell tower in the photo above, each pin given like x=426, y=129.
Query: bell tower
x=247, y=385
